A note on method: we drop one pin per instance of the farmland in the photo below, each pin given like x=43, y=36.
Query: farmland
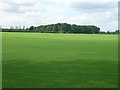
x=44, y=60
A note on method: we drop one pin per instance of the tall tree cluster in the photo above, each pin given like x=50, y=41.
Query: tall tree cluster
x=65, y=28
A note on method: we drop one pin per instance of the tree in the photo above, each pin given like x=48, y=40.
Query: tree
x=74, y=28
x=55, y=28
x=108, y=32
x=11, y=28
x=66, y=28
x=23, y=27
x=31, y=28
x=116, y=31
x=19, y=28
x=16, y=27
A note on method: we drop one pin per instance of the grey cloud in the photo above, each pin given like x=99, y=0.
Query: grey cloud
x=22, y=4
x=14, y=7
x=11, y=2
x=93, y=6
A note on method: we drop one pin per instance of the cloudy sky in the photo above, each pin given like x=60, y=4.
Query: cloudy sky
x=103, y=14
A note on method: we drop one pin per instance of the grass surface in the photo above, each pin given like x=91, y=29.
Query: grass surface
x=35, y=60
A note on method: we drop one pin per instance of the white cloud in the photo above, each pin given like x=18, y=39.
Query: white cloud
x=38, y=7
x=37, y=12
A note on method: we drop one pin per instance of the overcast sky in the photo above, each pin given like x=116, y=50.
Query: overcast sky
x=103, y=14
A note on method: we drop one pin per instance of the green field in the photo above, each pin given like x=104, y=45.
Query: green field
x=41, y=60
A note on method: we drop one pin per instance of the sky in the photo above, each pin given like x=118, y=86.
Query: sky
x=103, y=14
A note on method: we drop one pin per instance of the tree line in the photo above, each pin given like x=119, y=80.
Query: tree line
x=65, y=28
x=60, y=28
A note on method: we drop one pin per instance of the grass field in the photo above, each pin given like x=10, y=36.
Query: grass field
x=35, y=60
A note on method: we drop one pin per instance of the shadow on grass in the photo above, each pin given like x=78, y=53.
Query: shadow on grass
x=60, y=74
